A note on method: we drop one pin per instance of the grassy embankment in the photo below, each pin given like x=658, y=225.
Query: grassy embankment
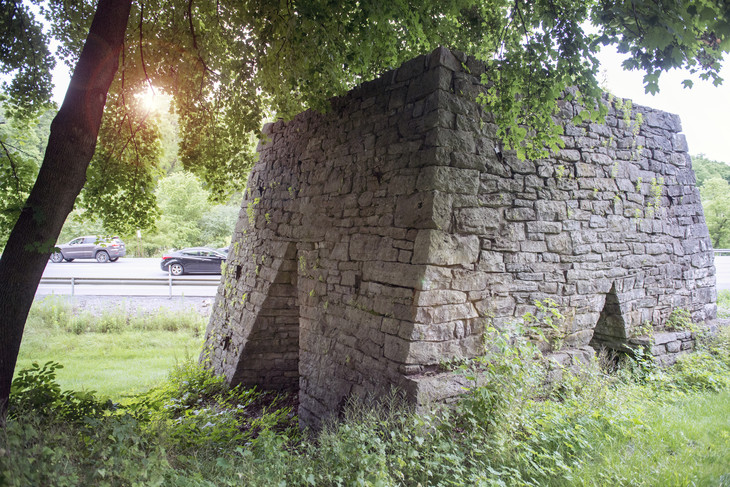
x=114, y=352
x=635, y=425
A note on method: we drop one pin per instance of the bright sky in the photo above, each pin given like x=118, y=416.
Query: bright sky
x=704, y=109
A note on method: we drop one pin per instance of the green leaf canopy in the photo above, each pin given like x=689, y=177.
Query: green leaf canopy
x=230, y=65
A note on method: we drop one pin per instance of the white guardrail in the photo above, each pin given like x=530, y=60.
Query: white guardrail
x=722, y=251
x=169, y=281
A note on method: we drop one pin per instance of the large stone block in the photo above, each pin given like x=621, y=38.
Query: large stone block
x=393, y=273
x=426, y=209
x=441, y=248
x=478, y=221
x=448, y=180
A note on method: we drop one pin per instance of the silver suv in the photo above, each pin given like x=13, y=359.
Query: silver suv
x=103, y=249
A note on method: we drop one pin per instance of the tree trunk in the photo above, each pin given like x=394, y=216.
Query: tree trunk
x=71, y=145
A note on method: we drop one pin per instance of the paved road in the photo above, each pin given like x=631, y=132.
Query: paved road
x=722, y=269
x=141, y=268
x=123, y=268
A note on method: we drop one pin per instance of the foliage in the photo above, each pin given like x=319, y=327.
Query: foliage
x=716, y=205
x=183, y=201
x=702, y=371
x=298, y=56
x=680, y=319
x=186, y=218
x=22, y=142
x=705, y=169
x=217, y=224
x=25, y=57
x=182, y=197
x=713, y=178
x=196, y=409
x=706, y=369
x=121, y=179
x=70, y=438
x=36, y=390
x=546, y=325
x=660, y=37
x=138, y=150
x=510, y=428
x=645, y=328
x=79, y=223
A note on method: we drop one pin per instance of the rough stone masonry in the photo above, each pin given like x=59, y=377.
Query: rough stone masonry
x=376, y=241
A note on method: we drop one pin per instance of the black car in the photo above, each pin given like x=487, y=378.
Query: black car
x=195, y=260
x=103, y=249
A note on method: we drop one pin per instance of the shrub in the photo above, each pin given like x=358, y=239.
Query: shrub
x=701, y=371
x=66, y=438
x=680, y=319
x=51, y=313
x=35, y=389
x=707, y=369
x=195, y=408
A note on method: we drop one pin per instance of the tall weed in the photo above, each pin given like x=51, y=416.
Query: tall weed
x=707, y=368
x=196, y=409
x=56, y=314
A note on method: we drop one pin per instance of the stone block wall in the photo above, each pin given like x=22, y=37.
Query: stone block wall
x=666, y=347
x=376, y=241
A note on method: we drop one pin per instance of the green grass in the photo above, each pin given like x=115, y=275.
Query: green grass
x=682, y=441
x=136, y=351
x=111, y=364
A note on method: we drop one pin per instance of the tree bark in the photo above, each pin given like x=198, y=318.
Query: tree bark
x=71, y=145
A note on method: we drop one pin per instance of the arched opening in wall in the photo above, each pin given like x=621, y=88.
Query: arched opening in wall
x=610, y=331
x=270, y=356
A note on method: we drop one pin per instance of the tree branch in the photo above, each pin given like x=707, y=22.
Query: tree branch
x=12, y=166
x=141, y=49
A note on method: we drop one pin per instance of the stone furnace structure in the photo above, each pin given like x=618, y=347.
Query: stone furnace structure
x=377, y=240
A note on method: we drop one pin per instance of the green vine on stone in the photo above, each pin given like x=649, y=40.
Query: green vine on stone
x=250, y=212
x=656, y=195
x=680, y=319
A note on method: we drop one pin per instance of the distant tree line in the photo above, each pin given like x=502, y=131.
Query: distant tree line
x=184, y=215
x=22, y=143
x=713, y=180
x=186, y=218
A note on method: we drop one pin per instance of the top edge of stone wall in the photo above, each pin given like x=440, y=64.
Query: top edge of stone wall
x=457, y=62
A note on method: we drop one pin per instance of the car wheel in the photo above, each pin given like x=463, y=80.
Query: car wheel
x=114, y=259
x=56, y=257
x=102, y=256
x=176, y=269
